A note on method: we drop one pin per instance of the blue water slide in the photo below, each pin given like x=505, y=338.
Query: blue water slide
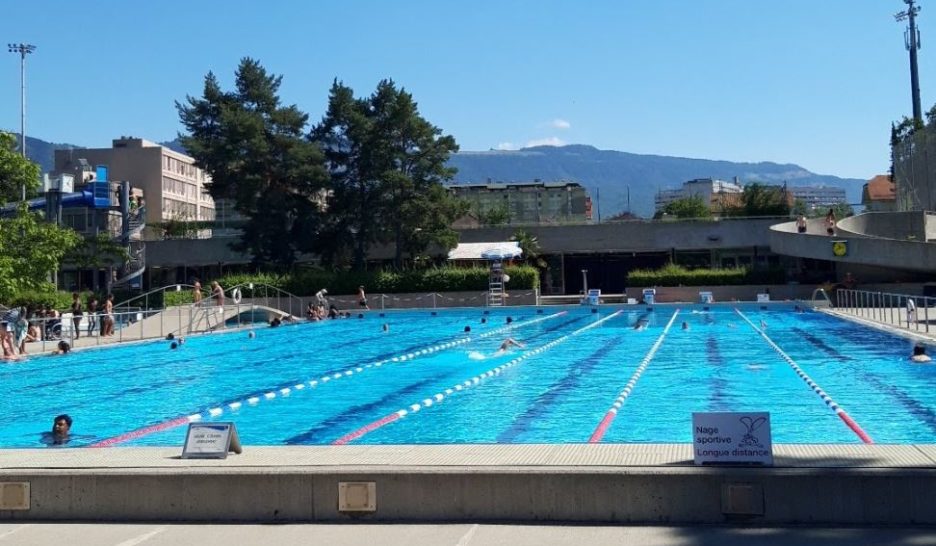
x=96, y=197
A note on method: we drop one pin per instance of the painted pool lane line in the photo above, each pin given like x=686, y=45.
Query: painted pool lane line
x=321, y=429
x=717, y=384
x=569, y=382
x=913, y=406
x=439, y=397
x=216, y=410
x=843, y=415
x=602, y=427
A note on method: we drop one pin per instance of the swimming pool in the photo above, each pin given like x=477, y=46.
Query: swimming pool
x=426, y=380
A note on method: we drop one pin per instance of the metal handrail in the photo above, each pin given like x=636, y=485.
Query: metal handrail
x=825, y=295
x=886, y=307
x=145, y=296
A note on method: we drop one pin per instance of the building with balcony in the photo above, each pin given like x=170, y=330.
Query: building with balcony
x=528, y=203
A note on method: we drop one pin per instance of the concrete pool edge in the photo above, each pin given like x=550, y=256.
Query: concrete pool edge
x=604, y=483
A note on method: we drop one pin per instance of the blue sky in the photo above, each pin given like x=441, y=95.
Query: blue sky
x=816, y=83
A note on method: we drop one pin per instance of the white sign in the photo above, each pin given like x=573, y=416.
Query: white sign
x=732, y=437
x=210, y=441
x=763, y=298
x=649, y=295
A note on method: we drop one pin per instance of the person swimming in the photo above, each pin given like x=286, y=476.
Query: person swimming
x=508, y=343
x=919, y=353
x=641, y=324
x=60, y=433
x=685, y=325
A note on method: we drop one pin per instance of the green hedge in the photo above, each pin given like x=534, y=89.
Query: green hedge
x=675, y=275
x=444, y=279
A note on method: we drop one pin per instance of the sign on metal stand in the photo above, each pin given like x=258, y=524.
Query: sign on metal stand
x=210, y=441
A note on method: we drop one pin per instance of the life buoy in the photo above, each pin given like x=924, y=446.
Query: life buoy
x=236, y=295
x=506, y=278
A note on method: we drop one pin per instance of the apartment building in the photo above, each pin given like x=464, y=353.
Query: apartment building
x=818, y=196
x=174, y=188
x=713, y=191
x=534, y=202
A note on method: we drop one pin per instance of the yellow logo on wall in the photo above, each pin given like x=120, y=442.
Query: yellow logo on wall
x=839, y=248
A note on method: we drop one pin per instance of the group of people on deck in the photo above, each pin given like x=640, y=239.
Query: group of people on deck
x=829, y=223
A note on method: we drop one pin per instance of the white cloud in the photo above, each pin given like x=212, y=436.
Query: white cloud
x=560, y=124
x=550, y=141
x=507, y=146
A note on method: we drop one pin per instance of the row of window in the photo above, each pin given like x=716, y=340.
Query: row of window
x=182, y=168
x=178, y=187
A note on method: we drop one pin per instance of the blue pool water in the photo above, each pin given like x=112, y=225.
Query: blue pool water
x=317, y=383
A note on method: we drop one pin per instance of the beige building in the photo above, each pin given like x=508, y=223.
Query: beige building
x=537, y=203
x=173, y=187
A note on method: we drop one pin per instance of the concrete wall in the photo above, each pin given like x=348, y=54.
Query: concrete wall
x=863, y=249
x=637, y=236
x=509, y=494
x=904, y=226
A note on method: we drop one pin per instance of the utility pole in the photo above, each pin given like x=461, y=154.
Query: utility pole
x=23, y=50
x=912, y=43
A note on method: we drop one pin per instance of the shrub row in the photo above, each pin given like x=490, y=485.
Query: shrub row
x=308, y=282
x=676, y=275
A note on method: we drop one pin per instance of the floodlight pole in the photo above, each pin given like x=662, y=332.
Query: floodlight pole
x=23, y=50
x=912, y=43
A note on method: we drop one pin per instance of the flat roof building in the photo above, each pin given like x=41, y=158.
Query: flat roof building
x=174, y=188
x=534, y=202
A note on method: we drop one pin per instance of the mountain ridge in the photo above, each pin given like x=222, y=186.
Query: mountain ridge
x=617, y=181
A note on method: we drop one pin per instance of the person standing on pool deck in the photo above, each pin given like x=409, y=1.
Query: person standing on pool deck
x=217, y=293
x=362, y=299
x=76, y=313
x=196, y=291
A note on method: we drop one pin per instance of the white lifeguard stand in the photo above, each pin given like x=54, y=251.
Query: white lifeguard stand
x=496, y=255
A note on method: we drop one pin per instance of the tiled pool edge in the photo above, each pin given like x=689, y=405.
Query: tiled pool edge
x=605, y=483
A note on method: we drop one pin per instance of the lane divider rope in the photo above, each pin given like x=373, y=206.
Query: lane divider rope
x=602, y=427
x=843, y=415
x=467, y=384
x=286, y=390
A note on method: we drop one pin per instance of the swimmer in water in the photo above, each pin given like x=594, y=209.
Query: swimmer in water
x=685, y=325
x=386, y=327
x=919, y=353
x=251, y=334
x=763, y=324
x=641, y=325
x=508, y=343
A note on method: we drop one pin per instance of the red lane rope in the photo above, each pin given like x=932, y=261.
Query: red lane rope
x=140, y=432
x=285, y=391
x=602, y=427
x=439, y=397
x=843, y=415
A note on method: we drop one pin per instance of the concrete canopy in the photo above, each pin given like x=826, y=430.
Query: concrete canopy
x=486, y=251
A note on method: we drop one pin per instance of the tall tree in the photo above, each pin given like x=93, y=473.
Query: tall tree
x=693, y=206
x=387, y=165
x=30, y=249
x=15, y=171
x=762, y=200
x=255, y=150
